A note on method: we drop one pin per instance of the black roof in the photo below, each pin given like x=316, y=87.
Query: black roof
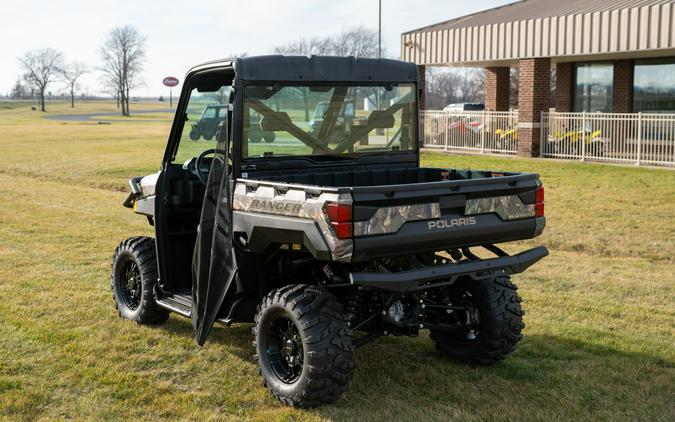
x=323, y=68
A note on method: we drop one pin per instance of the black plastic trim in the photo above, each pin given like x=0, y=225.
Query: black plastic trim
x=425, y=278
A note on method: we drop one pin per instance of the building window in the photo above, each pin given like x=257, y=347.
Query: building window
x=593, y=87
x=654, y=86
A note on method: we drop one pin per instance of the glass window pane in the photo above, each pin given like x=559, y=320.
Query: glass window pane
x=206, y=111
x=328, y=119
x=593, y=88
x=654, y=86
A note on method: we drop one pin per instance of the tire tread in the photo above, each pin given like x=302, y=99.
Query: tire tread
x=328, y=344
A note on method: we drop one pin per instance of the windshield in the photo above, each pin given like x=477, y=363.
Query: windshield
x=336, y=120
x=204, y=115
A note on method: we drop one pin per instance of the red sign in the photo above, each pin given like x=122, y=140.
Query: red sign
x=170, y=81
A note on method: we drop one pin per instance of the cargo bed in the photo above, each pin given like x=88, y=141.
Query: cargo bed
x=407, y=210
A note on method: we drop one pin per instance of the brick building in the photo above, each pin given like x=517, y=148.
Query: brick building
x=608, y=56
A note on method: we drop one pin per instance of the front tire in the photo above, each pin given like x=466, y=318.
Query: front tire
x=499, y=327
x=303, y=345
x=134, y=275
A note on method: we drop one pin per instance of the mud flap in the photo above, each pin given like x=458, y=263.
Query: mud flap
x=213, y=266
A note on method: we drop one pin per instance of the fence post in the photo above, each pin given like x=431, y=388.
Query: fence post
x=542, y=132
x=446, y=130
x=482, y=133
x=639, y=139
x=583, y=136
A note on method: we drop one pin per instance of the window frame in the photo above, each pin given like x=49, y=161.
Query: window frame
x=574, y=84
x=416, y=131
x=636, y=63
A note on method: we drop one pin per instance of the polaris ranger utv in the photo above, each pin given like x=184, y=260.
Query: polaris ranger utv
x=324, y=246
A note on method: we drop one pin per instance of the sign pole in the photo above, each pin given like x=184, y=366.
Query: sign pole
x=170, y=82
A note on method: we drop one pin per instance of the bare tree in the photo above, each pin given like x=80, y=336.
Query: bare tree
x=443, y=88
x=450, y=86
x=358, y=41
x=110, y=87
x=19, y=91
x=307, y=47
x=123, y=54
x=71, y=73
x=41, y=66
x=474, y=91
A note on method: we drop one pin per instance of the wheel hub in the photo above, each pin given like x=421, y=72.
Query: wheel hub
x=284, y=349
x=131, y=284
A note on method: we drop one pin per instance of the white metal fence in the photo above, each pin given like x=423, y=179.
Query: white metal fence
x=473, y=131
x=637, y=138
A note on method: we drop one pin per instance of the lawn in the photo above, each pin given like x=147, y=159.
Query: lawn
x=599, y=341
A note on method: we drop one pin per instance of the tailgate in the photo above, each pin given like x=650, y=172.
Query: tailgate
x=419, y=217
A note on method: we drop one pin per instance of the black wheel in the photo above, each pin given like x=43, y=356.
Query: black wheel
x=303, y=345
x=134, y=275
x=194, y=134
x=496, y=321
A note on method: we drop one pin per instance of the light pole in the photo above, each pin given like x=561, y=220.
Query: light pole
x=379, y=31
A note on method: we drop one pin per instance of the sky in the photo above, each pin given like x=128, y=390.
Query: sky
x=183, y=33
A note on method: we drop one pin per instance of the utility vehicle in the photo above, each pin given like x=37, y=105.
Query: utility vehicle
x=207, y=125
x=325, y=246
x=211, y=118
x=343, y=122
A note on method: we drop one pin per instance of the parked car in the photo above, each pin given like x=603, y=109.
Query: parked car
x=459, y=107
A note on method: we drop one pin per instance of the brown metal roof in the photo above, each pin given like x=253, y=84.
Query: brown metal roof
x=534, y=9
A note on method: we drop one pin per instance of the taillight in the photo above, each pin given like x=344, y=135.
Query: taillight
x=340, y=217
x=539, y=202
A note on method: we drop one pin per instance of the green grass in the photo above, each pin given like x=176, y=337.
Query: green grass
x=599, y=341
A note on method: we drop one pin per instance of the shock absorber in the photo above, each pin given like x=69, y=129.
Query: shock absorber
x=353, y=303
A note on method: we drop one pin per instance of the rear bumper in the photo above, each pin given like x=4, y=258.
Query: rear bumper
x=136, y=191
x=437, y=276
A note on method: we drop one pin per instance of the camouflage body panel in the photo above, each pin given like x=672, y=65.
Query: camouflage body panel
x=509, y=207
x=391, y=219
x=295, y=201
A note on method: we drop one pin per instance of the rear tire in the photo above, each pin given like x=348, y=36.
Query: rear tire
x=269, y=137
x=303, y=346
x=499, y=328
x=134, y=276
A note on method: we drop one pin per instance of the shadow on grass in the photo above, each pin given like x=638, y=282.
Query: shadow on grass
x=236, y=338
x=406, y=378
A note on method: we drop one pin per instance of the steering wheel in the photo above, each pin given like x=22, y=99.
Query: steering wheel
x=202, y=175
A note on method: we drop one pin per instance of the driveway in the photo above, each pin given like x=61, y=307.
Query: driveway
x=101, y=117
